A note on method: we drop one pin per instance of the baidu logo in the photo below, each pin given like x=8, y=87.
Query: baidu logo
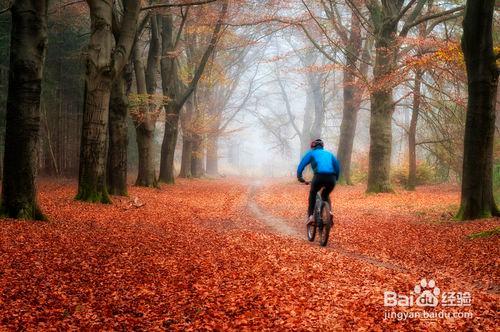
x=427, y=294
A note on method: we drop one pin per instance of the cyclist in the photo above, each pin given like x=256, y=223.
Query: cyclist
x=326, y=170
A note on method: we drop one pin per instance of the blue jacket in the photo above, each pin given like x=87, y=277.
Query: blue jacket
x=322, y=162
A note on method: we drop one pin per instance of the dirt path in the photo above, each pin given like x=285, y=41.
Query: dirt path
x=280, y=226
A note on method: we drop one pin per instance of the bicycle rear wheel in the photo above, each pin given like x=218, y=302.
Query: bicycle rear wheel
x=327, y=221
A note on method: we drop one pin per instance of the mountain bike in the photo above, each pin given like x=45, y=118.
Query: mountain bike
x=323, y=221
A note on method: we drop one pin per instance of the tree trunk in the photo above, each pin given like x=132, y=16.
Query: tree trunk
x=380, y=143
x=168, y=145
x=382, y=108
x=351, y=101
x=305, y=137
x=145, y=129
x=187, y=154
x=482, y=78
x=153, y=56
x=51, y=166
x=197, y=169
x=212, y=156
x=144, y=125
x=169, y=76
x=27, y=57
x=412, y=133
x=197, y=156
x=105, y=61
x=319, y=108
x=118, y=139
x=146, y=176
x=187, y=139
x=91, y=179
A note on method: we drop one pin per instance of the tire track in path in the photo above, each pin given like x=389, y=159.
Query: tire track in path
x=280, y=226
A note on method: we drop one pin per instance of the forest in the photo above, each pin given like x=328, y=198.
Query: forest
x=150, y=152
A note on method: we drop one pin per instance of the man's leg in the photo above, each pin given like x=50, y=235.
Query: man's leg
x=329, y=184
x=315, y=187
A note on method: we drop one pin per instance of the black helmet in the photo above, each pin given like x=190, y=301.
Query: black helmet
x=317, y=142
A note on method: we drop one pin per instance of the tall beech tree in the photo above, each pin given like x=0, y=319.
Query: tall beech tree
x=116, y=176
x=177, y=92
x=187, y=143
x=351, y=95
x=412, y=131
x=482, y=81
x=105, y=61
x=385, y=17
x=390, y=19
x=145, y=125
x=353, y=71
x=187, y=117
x=170, y=85
x=27, y=57
x=202, y=94
x=356, y=59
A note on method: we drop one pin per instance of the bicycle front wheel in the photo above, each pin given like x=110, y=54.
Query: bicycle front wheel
x=311, y=231
x=327, y=221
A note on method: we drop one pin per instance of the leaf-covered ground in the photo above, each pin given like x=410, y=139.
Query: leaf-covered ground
x=195, y=256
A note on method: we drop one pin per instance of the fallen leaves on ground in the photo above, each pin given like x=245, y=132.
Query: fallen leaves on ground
x=193, y=257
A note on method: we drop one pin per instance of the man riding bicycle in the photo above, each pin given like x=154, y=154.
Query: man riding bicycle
x=326, y=170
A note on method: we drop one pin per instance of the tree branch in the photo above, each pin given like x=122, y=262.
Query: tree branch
x=443, y=19
x=405, y=29
x=433, y=142
x=288, y=107
x=127, y=33
x=7, y=8
x=166, y=5
x=181, y=27
x=405, y=9
x=206, y=56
